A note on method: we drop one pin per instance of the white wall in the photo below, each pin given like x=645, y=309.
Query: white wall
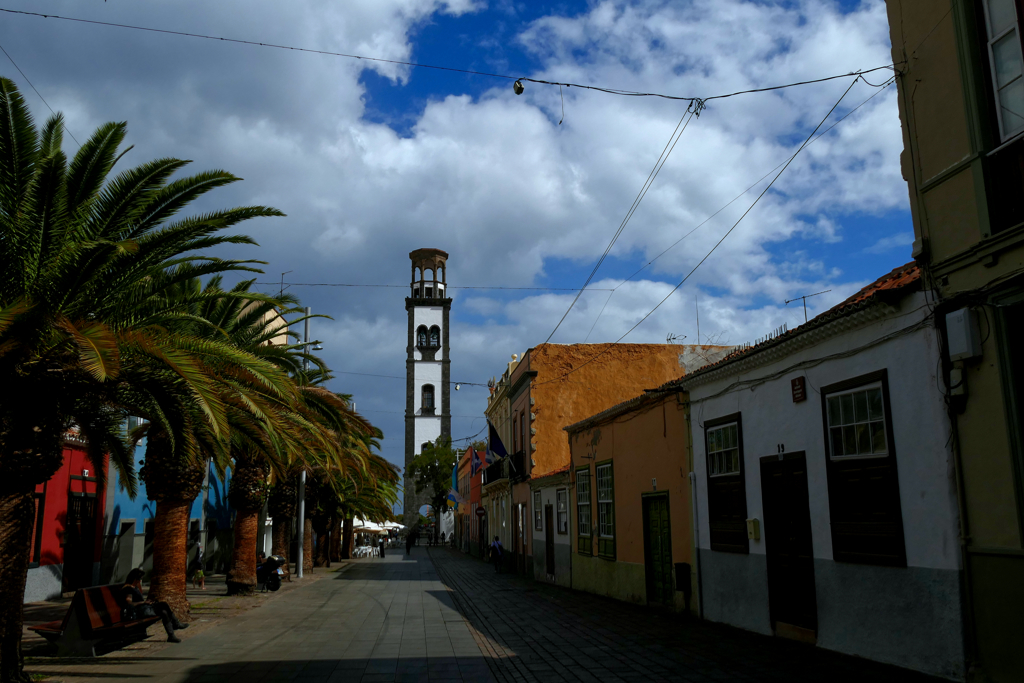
x=920, y=430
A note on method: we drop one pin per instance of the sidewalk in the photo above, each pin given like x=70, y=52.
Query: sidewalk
x=377, y=619
x=210, y=607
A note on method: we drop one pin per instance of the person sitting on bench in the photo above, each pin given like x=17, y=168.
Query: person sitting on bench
x=137, y=607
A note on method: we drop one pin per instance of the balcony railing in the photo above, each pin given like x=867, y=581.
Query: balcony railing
x=495, y=472
x=511, y=467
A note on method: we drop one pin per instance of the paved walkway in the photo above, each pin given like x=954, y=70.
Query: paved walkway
x=385, y=619
x=442, y=616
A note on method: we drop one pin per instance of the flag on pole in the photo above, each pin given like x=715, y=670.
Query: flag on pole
x=475, y=463
x=495, y=448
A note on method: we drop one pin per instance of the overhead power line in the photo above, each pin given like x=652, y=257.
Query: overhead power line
x=614, y=289
x=421, y=65
x=717, y=244
x=691, y=111
x=367, y=374
x=36, y=90
x=339, y=284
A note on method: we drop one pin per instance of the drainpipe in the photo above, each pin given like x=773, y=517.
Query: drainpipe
x=693, y=506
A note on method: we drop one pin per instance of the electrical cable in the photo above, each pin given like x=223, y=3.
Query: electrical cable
x=367, y=374
x=340, y=284
x=673, y=139
x=717, y=244
x=757, y=182
x=36, y=90
x=611, y=91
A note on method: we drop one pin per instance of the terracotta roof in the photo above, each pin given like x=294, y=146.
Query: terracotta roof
x=894, y=284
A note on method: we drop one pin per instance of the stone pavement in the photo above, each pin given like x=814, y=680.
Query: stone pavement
x=385, y=619
x=539, y=632
x=443, y=616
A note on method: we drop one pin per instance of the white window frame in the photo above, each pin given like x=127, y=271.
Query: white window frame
x=716, y=463
x=871, y=420
x=538, y=518
x=583, y=511
x=562, y=511
x=991, y=39
x=605, y=505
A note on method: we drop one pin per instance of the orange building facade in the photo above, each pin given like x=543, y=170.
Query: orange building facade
x=631, y=505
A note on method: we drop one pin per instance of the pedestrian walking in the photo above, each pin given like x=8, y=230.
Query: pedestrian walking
x=198, y=576
x=382, y=546
x=496, y=552
x=408, y=544
x=442, y=538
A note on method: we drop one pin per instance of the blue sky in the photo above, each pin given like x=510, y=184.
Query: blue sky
x=371, y=160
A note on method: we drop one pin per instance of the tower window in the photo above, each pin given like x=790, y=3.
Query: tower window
x=435, y=336
x=421, y=336
x=428, y=397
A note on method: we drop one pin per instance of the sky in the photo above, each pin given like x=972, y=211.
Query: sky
x=370, y=160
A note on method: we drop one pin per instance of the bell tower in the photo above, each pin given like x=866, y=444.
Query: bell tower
x=427, y=366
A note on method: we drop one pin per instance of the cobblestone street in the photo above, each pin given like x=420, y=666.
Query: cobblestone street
x=537, y=632
x=439, y=615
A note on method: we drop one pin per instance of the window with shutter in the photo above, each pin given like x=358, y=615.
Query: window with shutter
x=583, y=529
x=1006, y=64
x=605, y=511
x=727, y=491
x=863, y=489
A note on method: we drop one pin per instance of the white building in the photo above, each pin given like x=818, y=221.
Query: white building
x=428, y=368
x=826, y=488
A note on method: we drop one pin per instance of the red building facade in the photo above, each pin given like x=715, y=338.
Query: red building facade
x=66, y=548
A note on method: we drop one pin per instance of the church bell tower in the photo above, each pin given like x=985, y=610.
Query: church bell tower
x=427, y=366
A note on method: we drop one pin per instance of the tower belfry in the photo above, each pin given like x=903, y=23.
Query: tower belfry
x=427, y=367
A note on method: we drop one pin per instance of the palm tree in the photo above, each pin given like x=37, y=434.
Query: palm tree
x=85, y=334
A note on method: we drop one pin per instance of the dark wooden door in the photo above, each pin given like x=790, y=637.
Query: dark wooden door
x=658, y=550
x=79, y=542
x=787, y=538
x=549, y=539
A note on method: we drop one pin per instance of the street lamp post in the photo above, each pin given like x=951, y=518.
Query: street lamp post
x=302, y=476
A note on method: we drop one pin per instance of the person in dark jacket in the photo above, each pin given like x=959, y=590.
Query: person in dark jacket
x=408, y=543
x=137, y=607
x=496, y=554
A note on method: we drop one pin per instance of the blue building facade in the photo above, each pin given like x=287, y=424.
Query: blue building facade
x=128, y=526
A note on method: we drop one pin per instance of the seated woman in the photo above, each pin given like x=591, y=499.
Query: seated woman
x=136, y=607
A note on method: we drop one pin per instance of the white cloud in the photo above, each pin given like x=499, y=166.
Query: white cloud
x=903, y=239
x=495, y=180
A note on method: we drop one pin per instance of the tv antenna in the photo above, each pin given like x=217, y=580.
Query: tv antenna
x=281, y=293
x=804, y=298
x=671, y=338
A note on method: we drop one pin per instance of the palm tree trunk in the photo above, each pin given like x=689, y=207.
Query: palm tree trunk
x=167, y=582
x=242, y=575
x=323, y=542
x=16, y=517
x=335, y=539
x=307, y=546
x=346, y=538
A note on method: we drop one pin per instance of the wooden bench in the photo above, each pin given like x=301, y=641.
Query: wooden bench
x=93, y=618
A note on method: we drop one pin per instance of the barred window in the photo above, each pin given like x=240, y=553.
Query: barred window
x=583, y=510
x=538, y=521
x=605, y=504
x=562, y=503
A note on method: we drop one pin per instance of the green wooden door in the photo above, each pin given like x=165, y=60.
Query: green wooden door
x=658, y=551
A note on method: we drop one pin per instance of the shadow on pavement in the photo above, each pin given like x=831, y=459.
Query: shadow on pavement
x=345, y=669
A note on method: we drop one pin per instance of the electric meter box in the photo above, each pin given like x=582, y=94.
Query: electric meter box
x=962, y=334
